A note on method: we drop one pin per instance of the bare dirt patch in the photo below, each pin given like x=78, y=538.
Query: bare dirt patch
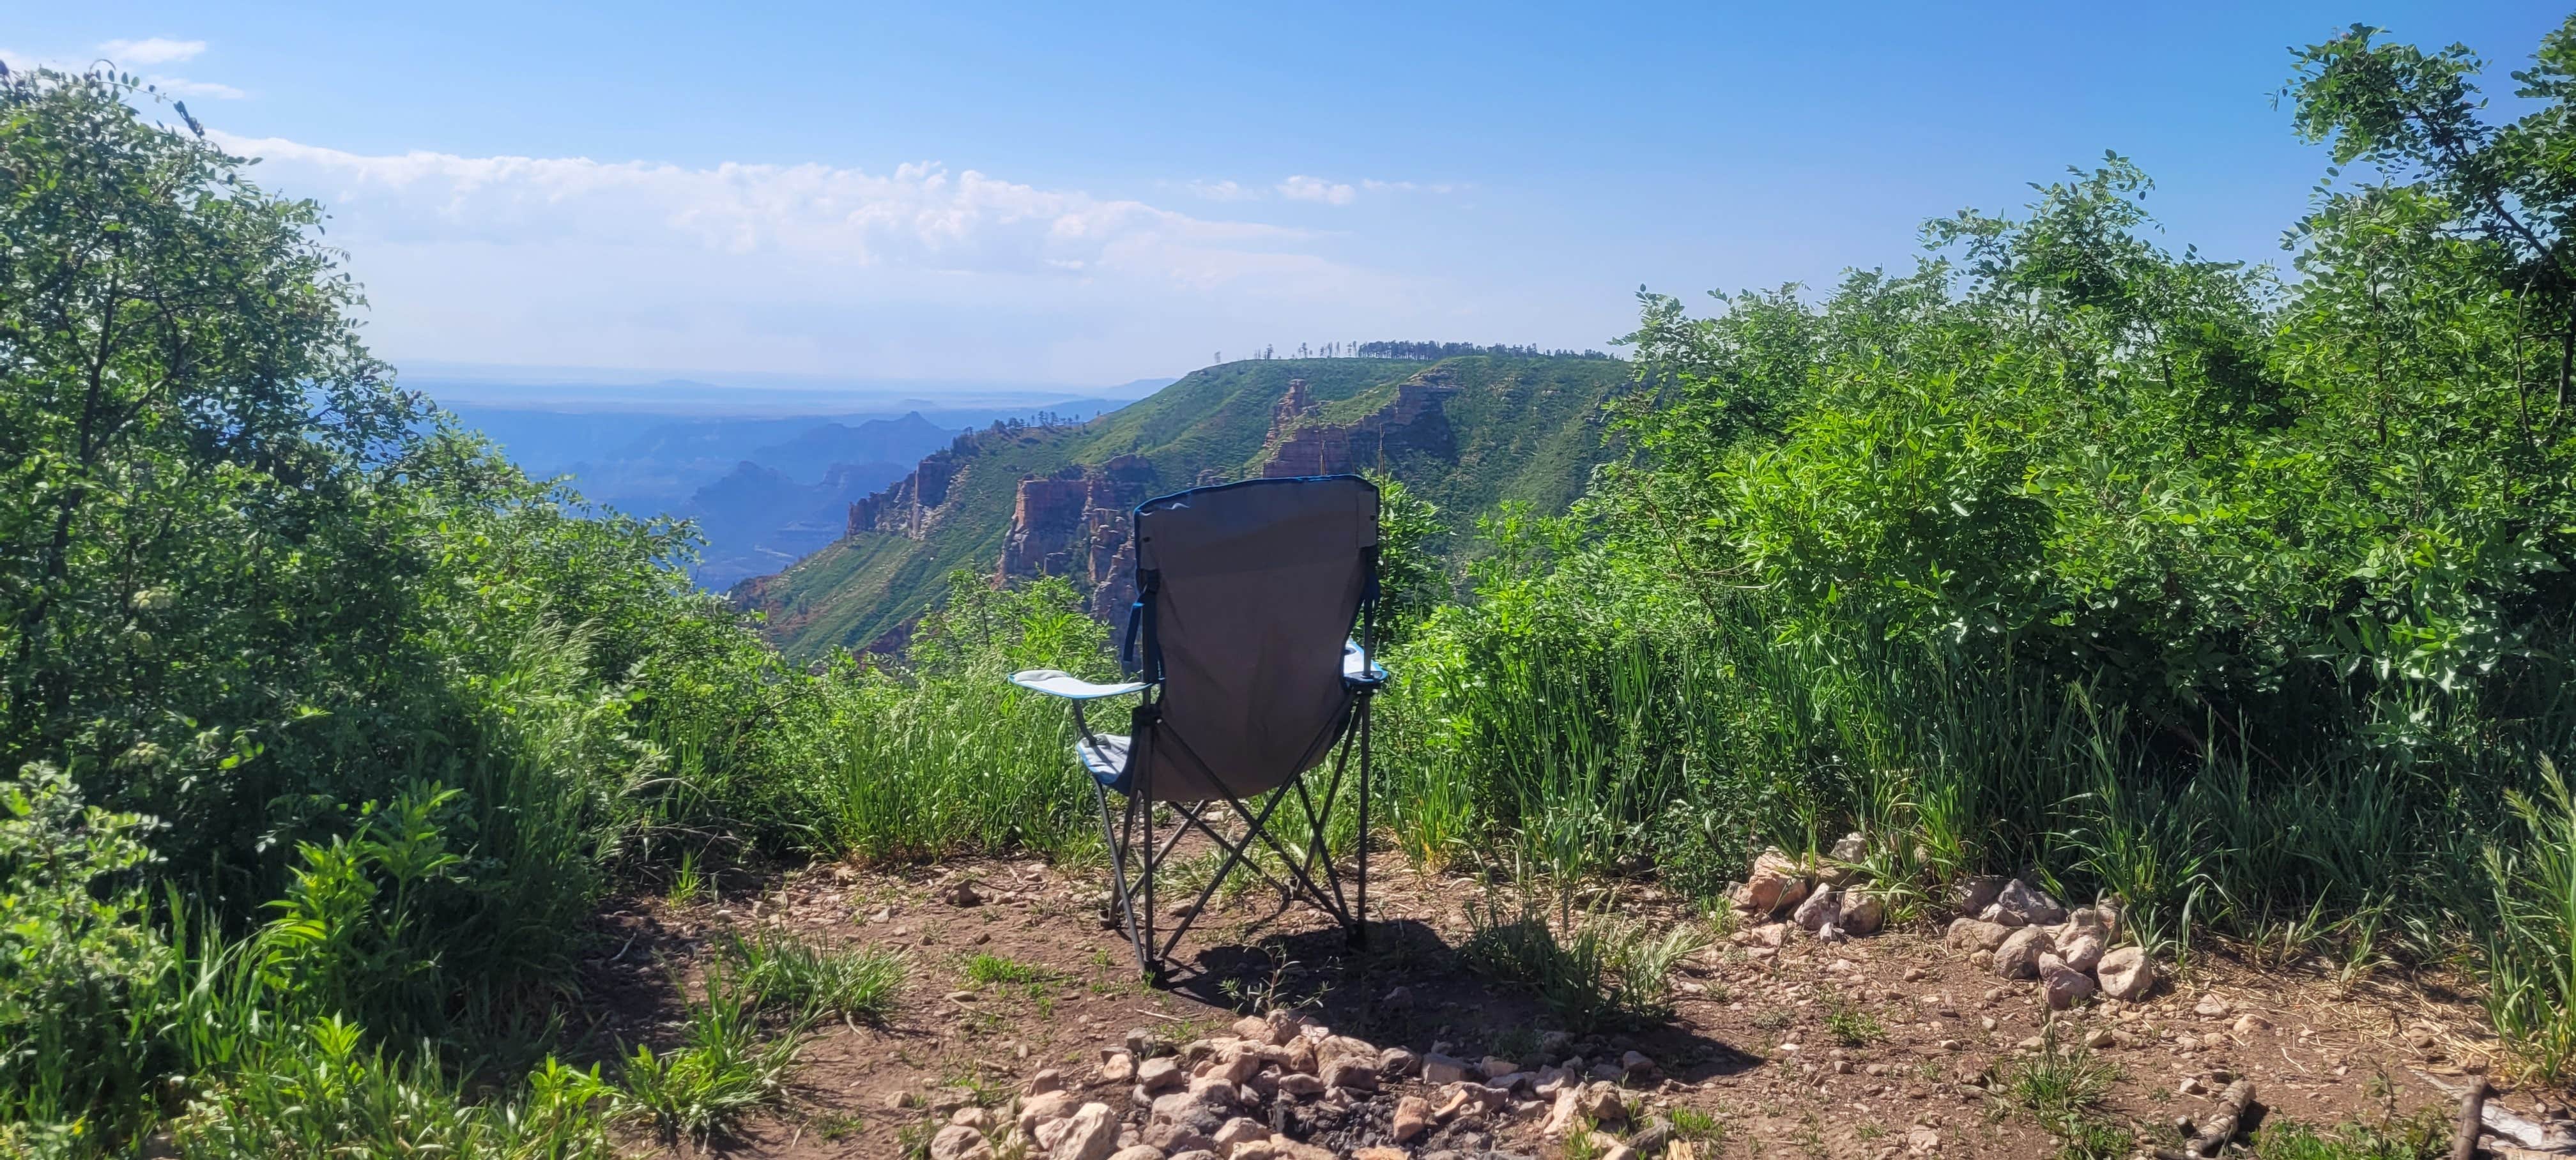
x=1872, y=1048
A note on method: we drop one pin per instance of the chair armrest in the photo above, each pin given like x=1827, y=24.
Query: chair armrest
x=1358, y=669
x=1058, y=683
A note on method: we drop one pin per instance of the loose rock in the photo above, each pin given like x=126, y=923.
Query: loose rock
x=2126, y=974
x=2018, y=958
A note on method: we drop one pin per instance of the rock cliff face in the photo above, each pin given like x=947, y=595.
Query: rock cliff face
x=911, y=506
x=1414, y=422
x=1075, y=524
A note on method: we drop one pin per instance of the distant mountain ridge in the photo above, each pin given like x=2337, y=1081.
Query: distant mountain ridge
x=1465, y=432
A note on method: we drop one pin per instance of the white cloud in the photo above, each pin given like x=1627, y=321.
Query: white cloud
x=183, y=87
x=922, y=270
x=150, y=51
x=1375, y=186
x=920, y=214
x=1224, y=191
x=1300, y=187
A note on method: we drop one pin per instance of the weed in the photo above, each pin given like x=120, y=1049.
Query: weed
x=990, y=969
x=720, y=1071
x=2422, y=1136
x=1697, y=1126
x=1853, y=1027
x=832, y=1126
x=1604, y=971
x=817, y=981
x=688, y=882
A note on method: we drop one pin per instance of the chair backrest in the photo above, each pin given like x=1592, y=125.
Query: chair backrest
x=1246, y=593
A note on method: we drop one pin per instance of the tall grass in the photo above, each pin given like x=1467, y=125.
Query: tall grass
x=2531, y=953
x=1574, y=746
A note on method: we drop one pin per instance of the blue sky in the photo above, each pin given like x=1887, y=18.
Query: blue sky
x=1060, y=195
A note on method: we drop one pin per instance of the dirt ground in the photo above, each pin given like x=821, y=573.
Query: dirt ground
x=1748, y=1043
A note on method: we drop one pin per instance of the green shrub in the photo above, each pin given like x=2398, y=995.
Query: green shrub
x=80, y=969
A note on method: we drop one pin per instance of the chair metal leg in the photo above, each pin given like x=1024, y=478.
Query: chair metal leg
x=1359, y=928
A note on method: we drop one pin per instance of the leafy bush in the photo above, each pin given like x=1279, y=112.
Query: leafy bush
x=79, y=967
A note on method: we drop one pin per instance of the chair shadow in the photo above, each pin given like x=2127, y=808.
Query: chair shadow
x=1407, y=985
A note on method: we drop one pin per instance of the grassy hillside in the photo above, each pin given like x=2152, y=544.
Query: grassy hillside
x=1523, y=429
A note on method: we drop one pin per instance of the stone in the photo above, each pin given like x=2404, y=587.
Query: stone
x=1635, y=1063
x=1044, y=1107
x=1774, y=883
x=1347, y=1072
x=2018, y=958
x=1376, y=1152
x=2108, y=909
x=1298, y=1085
x=2065, y=987
x=1254, y=1028
x=1046, y=1080
x=1160, y=1074
x=1922, y=1141
x=962, y=893
x=2019, y=904
x=2248, y=1024
x=1398, y=1062
x=1412, y=1118
x=2210, y=1007
x=1116, y=1066
x=1440, y=1070
x=1820, y=910
x=1495, y=1065
x=2126, y=974
x=1090, y=1134
x=1864, y=911
x=1982, y=960
x=956, y=1142
x=1849, y=848
x=1976, y=934
x=1214, y=1091
x=2191, y=1086
x=1770, y=935
x=1561, y=1116
x=1238, y=1061
x=2099, y=1038
x=1137, y=1152
x=1195, y=1154
x=1971, y=896
x=1146, y=1043
x=1240, y=1130
x=1601, y=1102
x=2082, y=948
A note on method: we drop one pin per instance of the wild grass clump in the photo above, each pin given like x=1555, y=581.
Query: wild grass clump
x=2062, y=1087
x=725, y=1065
x=816, y=981
x=1600, y=970
x=2422, y=1136
x=2531, y=954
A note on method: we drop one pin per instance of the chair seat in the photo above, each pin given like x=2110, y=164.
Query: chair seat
x=1107, y=762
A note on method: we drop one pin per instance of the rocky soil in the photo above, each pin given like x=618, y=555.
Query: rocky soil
x=1820, y=1040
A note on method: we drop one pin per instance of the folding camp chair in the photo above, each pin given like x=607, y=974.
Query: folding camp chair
x=1249, y=640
